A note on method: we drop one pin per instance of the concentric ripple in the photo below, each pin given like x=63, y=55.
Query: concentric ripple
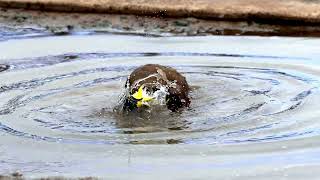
x=71, y=99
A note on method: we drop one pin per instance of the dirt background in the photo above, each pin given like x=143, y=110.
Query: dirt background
x=294, y=10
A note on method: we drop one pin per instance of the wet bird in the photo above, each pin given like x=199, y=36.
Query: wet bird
x=156, y=84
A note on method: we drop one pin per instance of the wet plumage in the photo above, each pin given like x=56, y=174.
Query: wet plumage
x=149, y=79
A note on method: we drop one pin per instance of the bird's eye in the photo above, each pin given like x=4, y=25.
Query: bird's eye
x=149, y=91
x=155, y=89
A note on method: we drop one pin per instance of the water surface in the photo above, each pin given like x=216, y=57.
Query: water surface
x=254, y=111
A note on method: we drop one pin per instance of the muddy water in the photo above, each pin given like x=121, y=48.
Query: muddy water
x=254, y=111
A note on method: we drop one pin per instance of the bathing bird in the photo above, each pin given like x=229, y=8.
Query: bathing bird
x=156, y=84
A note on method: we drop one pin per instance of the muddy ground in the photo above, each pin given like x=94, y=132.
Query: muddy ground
x=20, y=22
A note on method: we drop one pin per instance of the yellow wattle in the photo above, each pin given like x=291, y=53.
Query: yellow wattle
x=139, y=96
x=139, y=104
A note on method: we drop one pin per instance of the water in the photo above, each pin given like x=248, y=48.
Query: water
x=254, y=108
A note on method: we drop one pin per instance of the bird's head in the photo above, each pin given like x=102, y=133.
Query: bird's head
x=146, y=95
x=142, y=97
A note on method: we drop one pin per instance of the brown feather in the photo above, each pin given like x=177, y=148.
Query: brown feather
x=178, y=87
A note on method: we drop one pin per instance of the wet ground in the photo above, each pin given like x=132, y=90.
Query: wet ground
x=254, y=111
x=22, y=22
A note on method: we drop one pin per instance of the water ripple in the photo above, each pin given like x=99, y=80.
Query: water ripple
x=230, y=104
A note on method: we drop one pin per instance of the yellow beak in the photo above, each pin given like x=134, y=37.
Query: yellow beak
x=142, y=97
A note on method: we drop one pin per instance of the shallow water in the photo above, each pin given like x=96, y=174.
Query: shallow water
x=254, y=111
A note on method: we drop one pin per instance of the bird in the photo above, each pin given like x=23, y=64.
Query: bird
x=156, y=84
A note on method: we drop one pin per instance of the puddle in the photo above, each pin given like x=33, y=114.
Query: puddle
x=254, y=110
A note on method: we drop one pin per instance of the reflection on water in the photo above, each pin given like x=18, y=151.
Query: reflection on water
x=67, y=100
